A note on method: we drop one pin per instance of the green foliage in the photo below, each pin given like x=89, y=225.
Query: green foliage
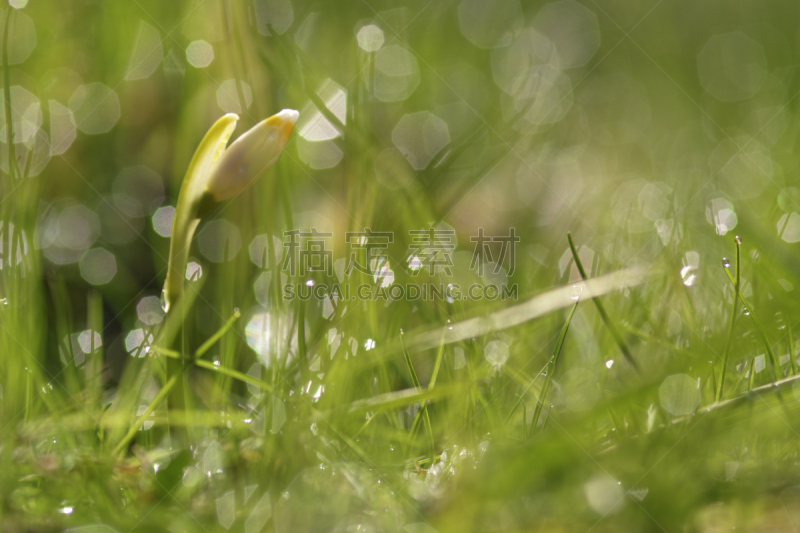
x=662, y=136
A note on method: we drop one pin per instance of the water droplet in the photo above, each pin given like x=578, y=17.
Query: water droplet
x=576, y=292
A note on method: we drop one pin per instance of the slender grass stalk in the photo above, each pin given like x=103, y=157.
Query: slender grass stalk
x=423, y=409
x=162, y=394
x=176, y=377
x=792, y=347
x=402, y=398
x=216, y=173
x=208, y=365
x=524, y=422
x=218, y=335
x=229, y=27
x=235, y=374
x=623, y=346
x=761, y=332
x=12, y=156
x=551, y=368
x=437, y=365
x=93, y=365
x=734, y=307
x=524, y=392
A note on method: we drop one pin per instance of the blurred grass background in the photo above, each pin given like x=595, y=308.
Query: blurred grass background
x=652, y=131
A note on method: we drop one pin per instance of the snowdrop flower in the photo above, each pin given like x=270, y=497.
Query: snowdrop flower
x=217, y=173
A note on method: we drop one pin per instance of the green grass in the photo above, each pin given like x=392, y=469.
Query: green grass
x=640, y=380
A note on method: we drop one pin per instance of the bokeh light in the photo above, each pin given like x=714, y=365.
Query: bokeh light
x=679, y=394
x=199, y=54
x=149, y=311
x=219, y=241
x=95, y=108
x=62, y=128
x=21, y=36
x=489, y=23
x=573, y=30
x=370, y=38
x=396, y=73
x=68, y=233
x=147, y=52
x=420, y=136
x=275, y=15
x=732, y=66
x=162, y=220
x=228, y=96
x=138, y=191
x=789, y=227
x=98, y=266
x=137, y=342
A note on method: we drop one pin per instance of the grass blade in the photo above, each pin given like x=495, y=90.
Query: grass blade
x=726, y=353
x=538, y=306
x=761, y=332
x=551, y=367
x=423, y=408
x=623, y=346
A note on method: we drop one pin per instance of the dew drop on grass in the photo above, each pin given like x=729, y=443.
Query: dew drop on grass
x=576, y=292
x=691, y=264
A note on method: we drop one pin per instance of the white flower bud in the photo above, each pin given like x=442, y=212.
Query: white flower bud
x=250, y=155
x=217, y=173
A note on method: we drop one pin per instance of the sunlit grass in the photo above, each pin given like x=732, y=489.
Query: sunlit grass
x=637, y=380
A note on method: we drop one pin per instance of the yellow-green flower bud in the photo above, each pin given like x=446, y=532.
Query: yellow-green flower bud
x=250, y=155
x=217, y=173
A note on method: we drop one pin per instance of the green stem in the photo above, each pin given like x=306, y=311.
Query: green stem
x=235, y=374
x=12, y=156
x=760, y=329
x=726, y=353
x=165, y=390
x=551, y=368
x=525, y=392
x=792, y=356
x=423, y=409
x=623, y=346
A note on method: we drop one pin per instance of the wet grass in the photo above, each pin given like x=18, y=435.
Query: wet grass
x=639, y=380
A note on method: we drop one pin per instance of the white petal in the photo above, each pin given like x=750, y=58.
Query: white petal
x=251, y=154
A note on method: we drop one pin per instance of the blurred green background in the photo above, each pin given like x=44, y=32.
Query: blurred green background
x=653, y=131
